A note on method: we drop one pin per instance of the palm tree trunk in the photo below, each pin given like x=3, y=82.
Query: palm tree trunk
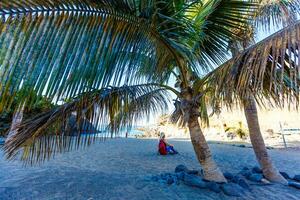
x=269, y=171
x=190, y=108
x=211, y=171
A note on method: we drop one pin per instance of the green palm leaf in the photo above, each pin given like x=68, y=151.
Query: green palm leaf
x=52, y=132
x=215, y=21
x=61, y=48
x=208, y=26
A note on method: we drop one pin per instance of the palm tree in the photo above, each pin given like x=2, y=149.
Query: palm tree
x=282, y=13
x=76, y=49
x=275, y=60
x=67, y=49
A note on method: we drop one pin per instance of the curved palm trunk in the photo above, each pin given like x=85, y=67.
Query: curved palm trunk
x=269, y=171
x=211, y=171
x=190, y=109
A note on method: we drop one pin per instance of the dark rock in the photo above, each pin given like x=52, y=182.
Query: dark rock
x=165, y=176
x=297, y=178
x=170, y=180
x=181, y=168
x=193, y=172
x=242, y=146
x=294, y=184
x=180, y=175
x=256, y=177
x=285, y=175
x=213, y=186
x=256, y=170
x=228, y=175
x=241, y=181
x=194, y=181
x=245, y=168
x=236, y=179
x=232, y=189
x=243, y=184
x=246, y=173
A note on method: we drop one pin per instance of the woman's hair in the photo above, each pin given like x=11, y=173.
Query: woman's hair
x=162, y=135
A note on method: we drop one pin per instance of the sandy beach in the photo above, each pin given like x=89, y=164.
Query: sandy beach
x=122, y=169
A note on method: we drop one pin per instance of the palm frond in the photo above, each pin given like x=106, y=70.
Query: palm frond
x=215, y=21
x=276, y=13
x=201, y=33
x=53, y=132
x=269, y=69
x=61, y=48
x=177, y=116
x=17, y=7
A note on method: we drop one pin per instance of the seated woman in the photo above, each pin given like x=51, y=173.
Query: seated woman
x=164, y=147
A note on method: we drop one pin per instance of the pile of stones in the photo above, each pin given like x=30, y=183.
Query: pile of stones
x=236, y=186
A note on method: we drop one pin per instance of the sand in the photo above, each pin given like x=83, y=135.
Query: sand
x=122, y=169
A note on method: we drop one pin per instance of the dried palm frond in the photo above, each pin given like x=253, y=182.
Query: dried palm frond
x=269, y=69
x=196, y=106
x=107, y=110
x=177, y=116
x=276, y=13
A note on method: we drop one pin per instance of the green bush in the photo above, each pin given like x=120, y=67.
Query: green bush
x=241, y=133
x=237, y=131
